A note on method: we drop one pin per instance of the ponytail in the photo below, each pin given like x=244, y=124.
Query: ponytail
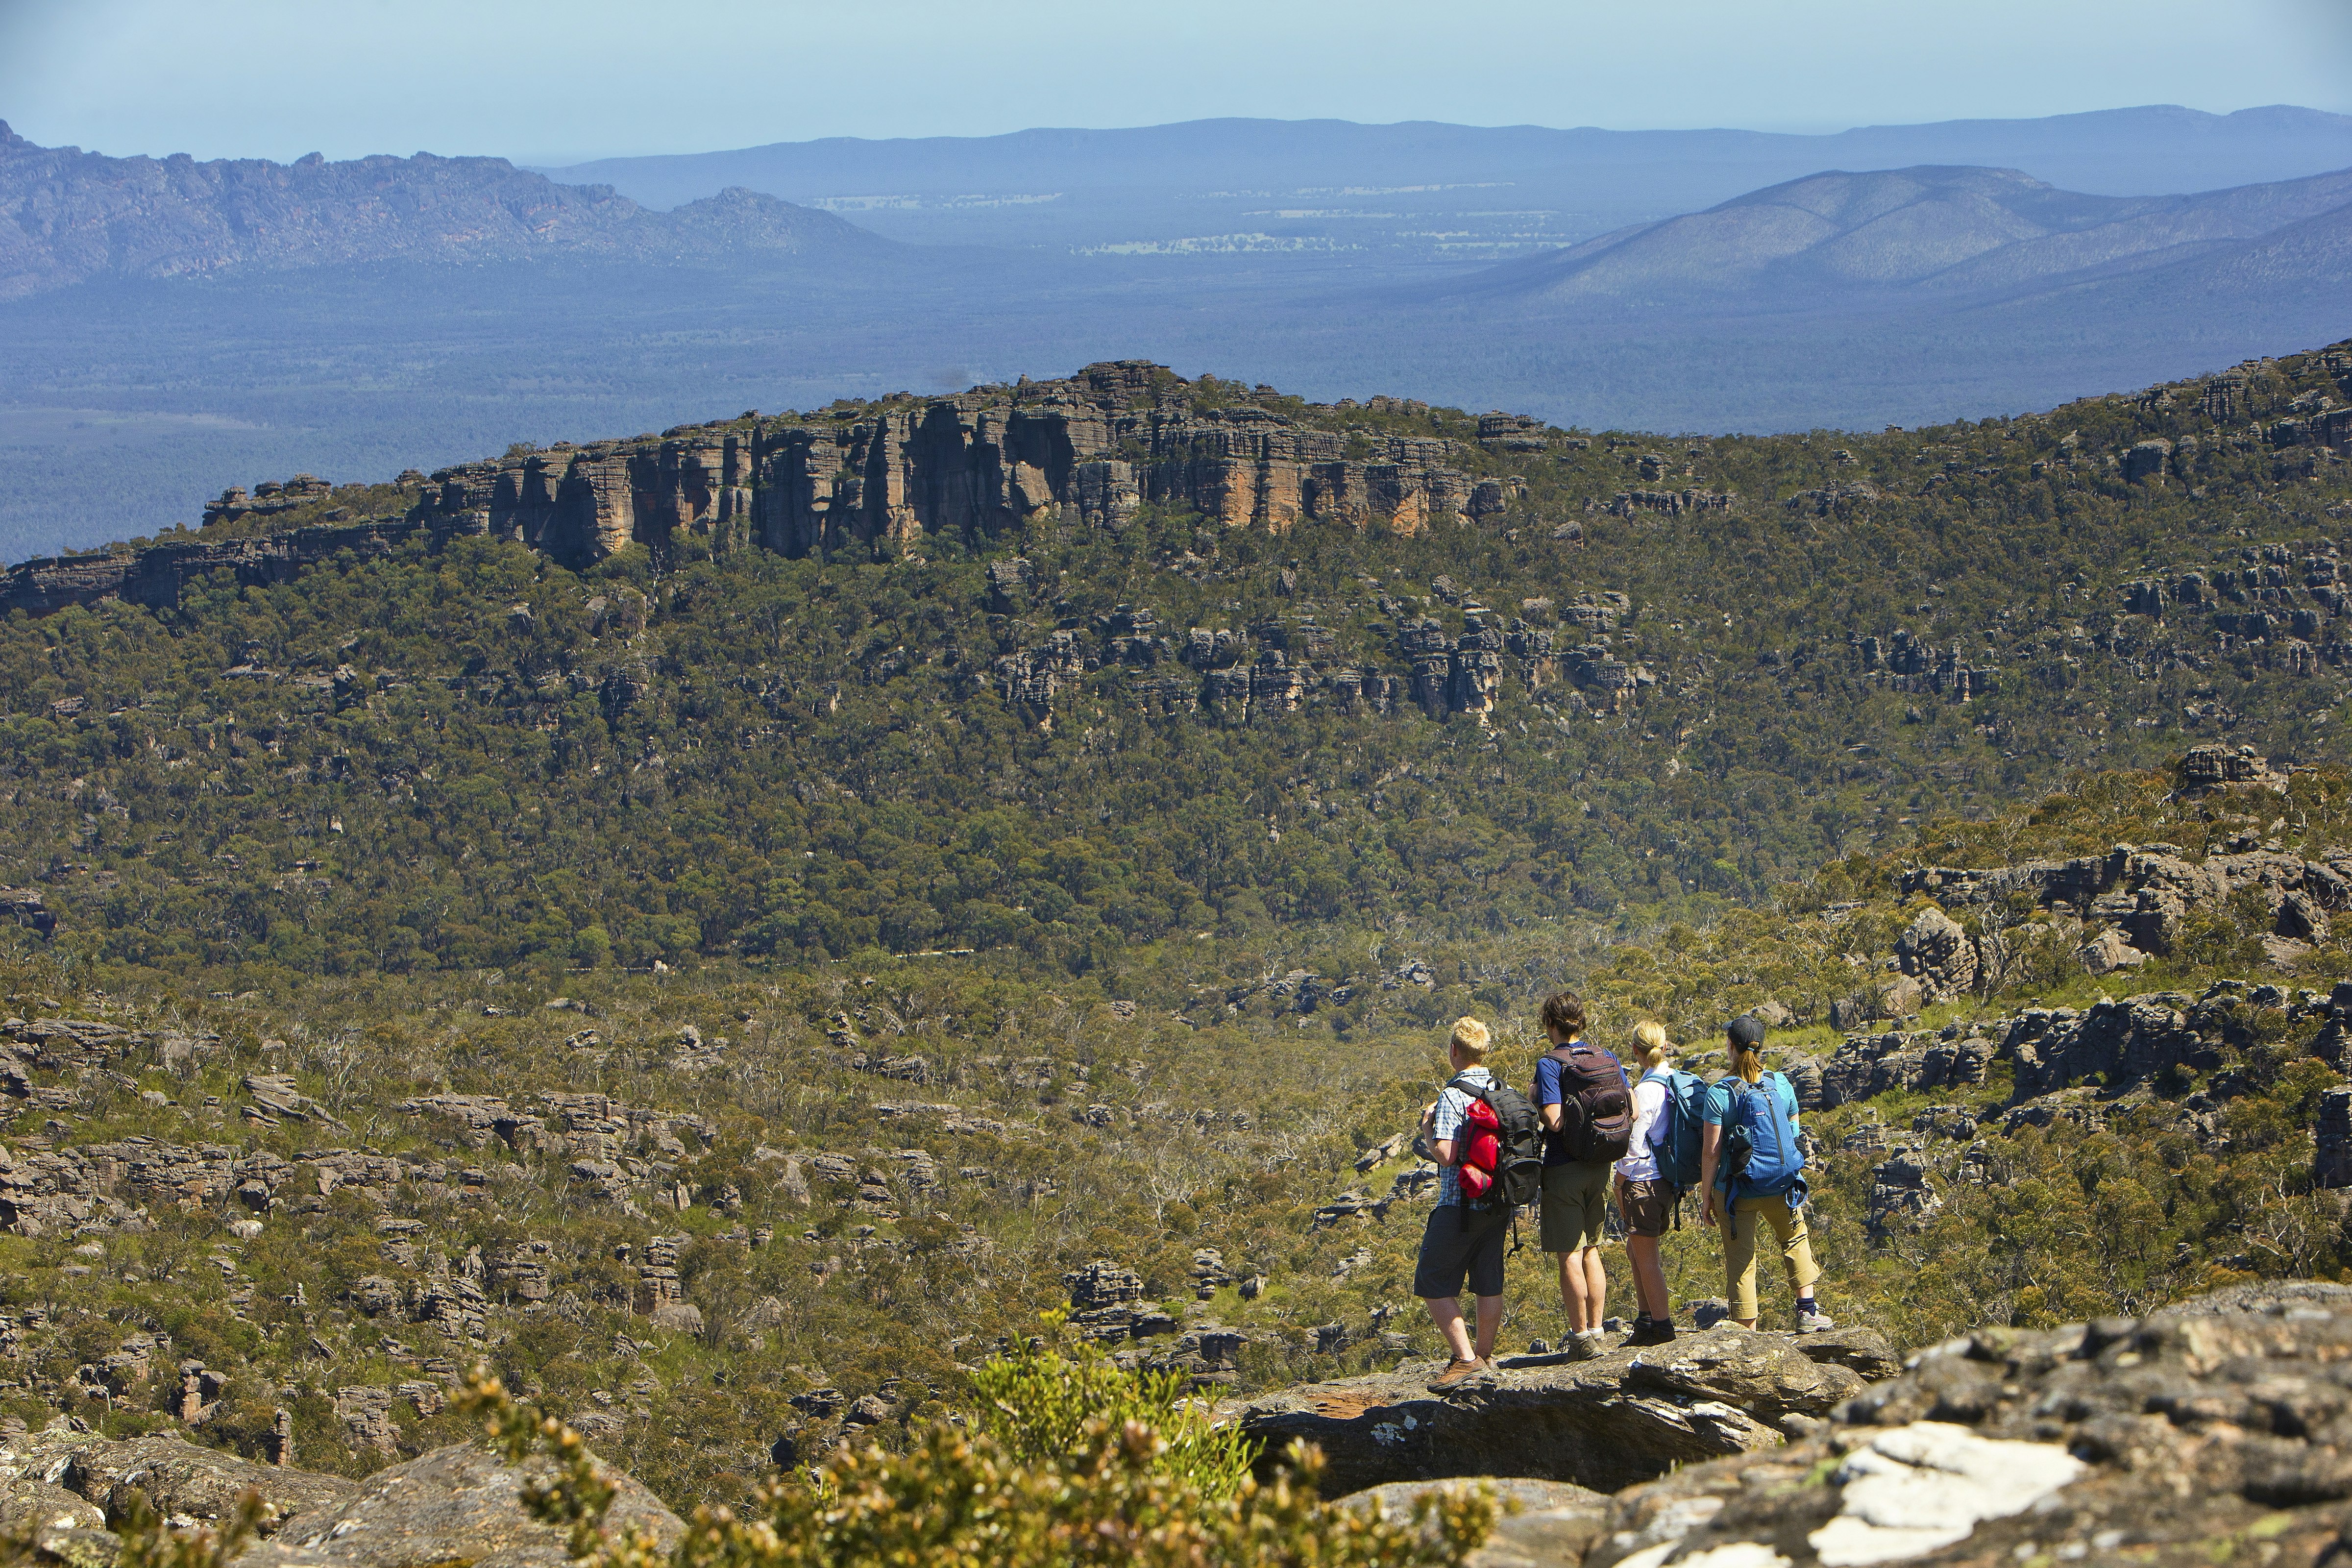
x=1747, y=1062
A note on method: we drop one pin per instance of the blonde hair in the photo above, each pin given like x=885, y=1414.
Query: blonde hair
x=1470, y=1038
x=1748, y=1060
x=1656, y=1046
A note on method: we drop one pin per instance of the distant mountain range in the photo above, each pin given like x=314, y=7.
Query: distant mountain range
x=68, y=216
x=1947, y=231
x=1433, y=192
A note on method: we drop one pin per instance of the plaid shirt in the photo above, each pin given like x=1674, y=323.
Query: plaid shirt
x=1453, y=1110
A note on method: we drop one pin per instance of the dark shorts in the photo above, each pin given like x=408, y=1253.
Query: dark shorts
x=1460, y=1242
x=1646, y=1207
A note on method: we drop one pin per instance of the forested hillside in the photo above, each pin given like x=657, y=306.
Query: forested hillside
x=732, y=986
x=1650, y=678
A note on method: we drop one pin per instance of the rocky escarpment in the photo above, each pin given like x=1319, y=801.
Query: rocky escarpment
x=1097, y=446
x=1280, y=666
x=872, y=483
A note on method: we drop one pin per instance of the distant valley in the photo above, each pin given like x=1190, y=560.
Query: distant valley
x=181, y=326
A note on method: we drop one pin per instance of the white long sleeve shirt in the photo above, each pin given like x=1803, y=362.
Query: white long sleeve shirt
x=1640, y=1163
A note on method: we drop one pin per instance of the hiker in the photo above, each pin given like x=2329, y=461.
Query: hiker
x=1753, y=1170
x=1586, y=1109
x=1645, y=1194
x=1461, y=1242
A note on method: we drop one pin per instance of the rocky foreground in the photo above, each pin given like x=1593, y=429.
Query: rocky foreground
x=2214, y=1431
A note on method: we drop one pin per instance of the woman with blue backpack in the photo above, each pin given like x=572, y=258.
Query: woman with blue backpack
x=1753, y=1173
x=1646, y=1187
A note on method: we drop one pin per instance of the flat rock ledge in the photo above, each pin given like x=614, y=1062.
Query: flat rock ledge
x=2217, y=1431
x=1624, y=1417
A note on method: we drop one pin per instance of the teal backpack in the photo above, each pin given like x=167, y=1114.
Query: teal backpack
x=1680, y=1164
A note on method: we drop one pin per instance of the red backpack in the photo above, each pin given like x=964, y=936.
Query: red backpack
x=1481, y=1147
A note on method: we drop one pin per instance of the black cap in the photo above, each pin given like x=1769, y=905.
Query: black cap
x=1748, y=1030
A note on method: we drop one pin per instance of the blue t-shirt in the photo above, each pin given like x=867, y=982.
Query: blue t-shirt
x=1548, y=1093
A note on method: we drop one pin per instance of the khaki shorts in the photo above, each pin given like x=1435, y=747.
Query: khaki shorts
x=1646, y=1207
x=1575, y=1206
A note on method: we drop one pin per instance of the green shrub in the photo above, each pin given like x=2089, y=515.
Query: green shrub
x=1041, y=1404
x=963, y=1499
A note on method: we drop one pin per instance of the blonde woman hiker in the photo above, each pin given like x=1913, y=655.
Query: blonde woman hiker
x=1753, y=1176
x=1645, y=1193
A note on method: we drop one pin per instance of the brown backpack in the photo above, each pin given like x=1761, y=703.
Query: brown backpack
x=1596, y=1104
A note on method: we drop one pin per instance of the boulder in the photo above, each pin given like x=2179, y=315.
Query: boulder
x=182, y=1480
x=2211, y=1431
x=457, y=1504
x=1554, y=1522
x=1935, y=950
x=2110, y=951
x=1626, y=1416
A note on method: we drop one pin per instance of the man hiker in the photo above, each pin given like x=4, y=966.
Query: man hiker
x=1587, y=1108
x=1753, y=1173
x=1461, y=1242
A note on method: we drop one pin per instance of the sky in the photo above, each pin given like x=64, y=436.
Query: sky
x=551, y=83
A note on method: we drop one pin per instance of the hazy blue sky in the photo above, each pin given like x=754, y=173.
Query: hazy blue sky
x=588, y=78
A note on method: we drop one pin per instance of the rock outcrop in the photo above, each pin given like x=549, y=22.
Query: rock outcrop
x=455, y=1504
x=2204, y=1433
x=2147, y=891
x=1626, y=1416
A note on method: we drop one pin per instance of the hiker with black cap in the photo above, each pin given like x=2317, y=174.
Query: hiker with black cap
x=1753, y=1163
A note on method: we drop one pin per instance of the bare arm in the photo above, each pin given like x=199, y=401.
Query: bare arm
x=1447, y=1149
x=1550, y=1118
x=1710, y=1152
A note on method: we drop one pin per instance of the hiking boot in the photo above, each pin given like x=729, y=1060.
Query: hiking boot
x=1651, y=1331
x=1814, y=1320
x=1581, y=1346
x=1457, y=1371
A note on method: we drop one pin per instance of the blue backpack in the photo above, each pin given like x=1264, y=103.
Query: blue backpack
x=1760, y=1157
x=1677, y=1140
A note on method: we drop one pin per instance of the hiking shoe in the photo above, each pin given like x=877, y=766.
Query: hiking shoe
x=1814, y=1322
x=1651, y=1331
x=1457, y=1371
x=1581, y=1346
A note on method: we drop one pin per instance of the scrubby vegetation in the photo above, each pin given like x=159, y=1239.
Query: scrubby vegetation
x=689, y=987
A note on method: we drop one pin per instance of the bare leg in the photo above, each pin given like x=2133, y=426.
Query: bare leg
x=1571, y=1287
x=1445, y=1312
x=1490, y=1323
x=1596, y=1290
x=1649, y=1276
